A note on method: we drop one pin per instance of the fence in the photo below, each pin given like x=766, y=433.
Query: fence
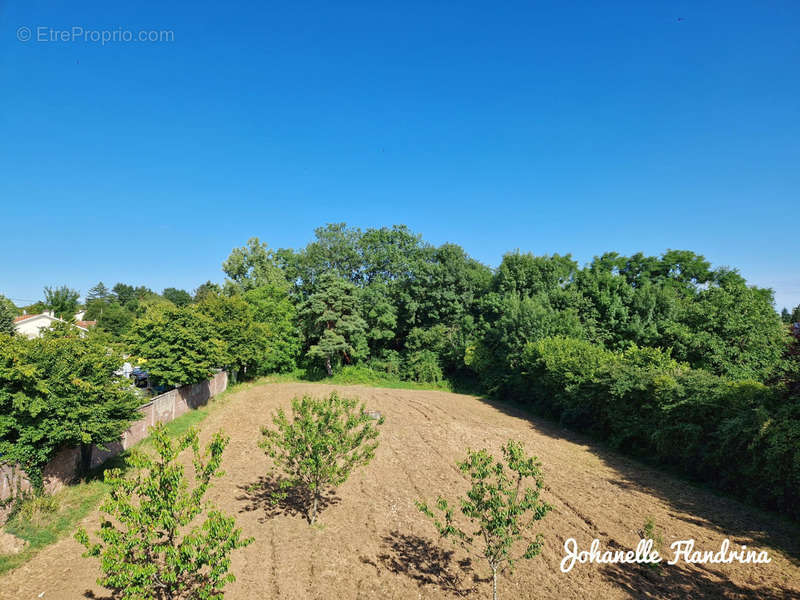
x=161, y=409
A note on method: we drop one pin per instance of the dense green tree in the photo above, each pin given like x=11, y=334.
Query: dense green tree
x=205, y=289
x=251, y=266
x=115, y=319
x=333, y=325
x=520, y=320
x=685, y=267
x=23, y=398
x=97, y=300
x=176, y=296
x=380, y=315
x=374, y=256
x=147, y=302
x=153, y=546
x=448, y=342
x=98, y=292
x=246, y=339
x=445, y=290
x=35, y=309
x=682, y=269
x=95, y=308
x=733, y=330
x=63, y=301
x=526, y=274
x=57, y=390
x=795, y=317
x=423, y=366
x=177, y=345
x=616, y=313
x=391, y=254
x=272, y=307
x=9, y=304
x=335, y=250
x=645, y=403
x=125, y=294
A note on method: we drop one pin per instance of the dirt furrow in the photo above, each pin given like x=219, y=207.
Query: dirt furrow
x=373, y=543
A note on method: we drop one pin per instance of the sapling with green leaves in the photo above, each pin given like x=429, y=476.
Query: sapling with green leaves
x=649, y=532
x=156, y=545
x=500, y=506
x=318, y=449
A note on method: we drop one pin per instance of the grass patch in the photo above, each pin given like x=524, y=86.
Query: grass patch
x=73, y=503
x=362, y=376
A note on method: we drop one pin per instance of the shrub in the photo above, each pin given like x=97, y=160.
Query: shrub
x=390, y=363
x=155, y=549
x=318, y=449
x=59, y=390
x=742, y=436
x=560, y=370
x=34, y=507
x=422, y=366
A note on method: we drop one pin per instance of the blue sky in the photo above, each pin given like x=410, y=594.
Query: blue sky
x=550, y=127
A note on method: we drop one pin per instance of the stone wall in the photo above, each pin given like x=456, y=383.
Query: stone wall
x=161, y=409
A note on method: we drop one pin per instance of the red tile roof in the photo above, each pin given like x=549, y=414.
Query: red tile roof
x=23, y=317
x=86, y=324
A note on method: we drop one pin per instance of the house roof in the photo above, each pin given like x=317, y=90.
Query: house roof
x=23, y=317
x=84, y=325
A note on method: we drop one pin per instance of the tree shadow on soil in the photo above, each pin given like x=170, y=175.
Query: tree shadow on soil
x=423, y=561
x=681, y=581
x=259, y=496
x=692, y=502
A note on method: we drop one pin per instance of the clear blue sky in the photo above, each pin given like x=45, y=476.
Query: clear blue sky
x=550, y=127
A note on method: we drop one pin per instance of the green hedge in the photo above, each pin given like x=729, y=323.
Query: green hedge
x=739, y=436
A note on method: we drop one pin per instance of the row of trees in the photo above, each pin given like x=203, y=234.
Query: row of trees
x=386, y=300
x=60, y=389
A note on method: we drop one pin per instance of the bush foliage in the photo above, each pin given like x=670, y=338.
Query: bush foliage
x=154, y=544
x=318, y=449
x=500, y=507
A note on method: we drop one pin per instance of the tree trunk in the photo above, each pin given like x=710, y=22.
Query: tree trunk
x=328, y=367
x=314, y=507
x=494, y=583
x=86, y=459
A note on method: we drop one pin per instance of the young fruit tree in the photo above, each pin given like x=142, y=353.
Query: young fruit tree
x=318, y=449
x=499, y=508
x=156, y=547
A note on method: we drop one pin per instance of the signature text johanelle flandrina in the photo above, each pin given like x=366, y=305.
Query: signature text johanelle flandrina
x=682, y=550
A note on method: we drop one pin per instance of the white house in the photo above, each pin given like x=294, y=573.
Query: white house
x=31, y=325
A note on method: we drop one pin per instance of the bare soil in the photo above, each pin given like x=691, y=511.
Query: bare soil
x=10, y=544
x=373, y=543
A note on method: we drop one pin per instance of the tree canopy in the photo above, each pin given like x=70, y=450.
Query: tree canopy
x=63, y=301
x=177, y=345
